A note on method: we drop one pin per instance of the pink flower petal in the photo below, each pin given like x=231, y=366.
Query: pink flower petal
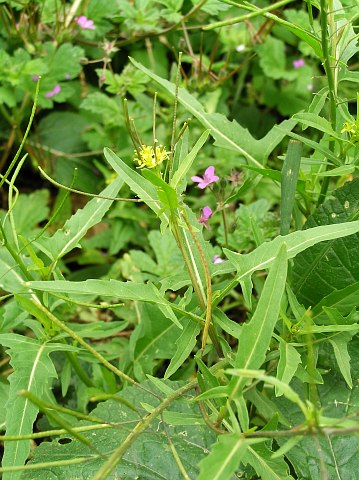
x=203, y=184
x=209, y=172
x=207, y=212
x=196, y=179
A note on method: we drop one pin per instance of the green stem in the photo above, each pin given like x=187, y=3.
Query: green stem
x=329, y=65
x=79, y=370
x=33, y=111
x=142, y=425
x=225, y=227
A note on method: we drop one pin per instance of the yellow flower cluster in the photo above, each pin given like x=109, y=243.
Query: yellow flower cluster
x=349, y=127
x=147, y=158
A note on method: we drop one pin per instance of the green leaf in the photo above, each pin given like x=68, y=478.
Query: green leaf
x=288, y=363
x=267, y=468
x=340, y=346
x=184, y=346
x=263, y=257
x=110, y=288
x=289, y=180
x=225, y=457
x=227, y=134
x=152, y=340
x=139, y=185
x=333, y=265
x=272, y=58
x=187, y=162
x=33, y=371
x=256, y=334
x=68, y=237
x=149, y=457
x=320, y=123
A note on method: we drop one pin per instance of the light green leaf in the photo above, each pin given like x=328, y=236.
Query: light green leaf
x=33, y=371
x=320, y=123
x=110, y=288
x=288, y=363
x=267, y=468
x=225, y=457
x=340, y=346
x=139, y=185
x=187, y=162
x=296, y=242
x=256, y=334
x=289, y=180
x=227, y=134
x=185, y=344
x=68, y=237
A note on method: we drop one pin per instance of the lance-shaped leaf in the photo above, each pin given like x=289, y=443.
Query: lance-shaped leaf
x=227, y=134
x=110, y=288
x=33, y=371
x=256, y=335
x=263, y=256
x=68, y=237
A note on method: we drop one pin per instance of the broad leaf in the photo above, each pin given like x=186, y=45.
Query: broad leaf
x=267, y=468
x=149, y=457
x=332, y=265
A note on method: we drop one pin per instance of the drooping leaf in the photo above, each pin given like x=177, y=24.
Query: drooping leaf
x=184, y=346
x=288, y=363
x=267, y=468
x=110, y=288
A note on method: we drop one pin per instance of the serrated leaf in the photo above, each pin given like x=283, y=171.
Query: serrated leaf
x=227, y=134
x=333, y=265
x=149, y=457
x=255, y=336
x=296, y=242
x=33, y=371
x=267, y=468
x=225, y=457
x=110, y=288
x=68, y=237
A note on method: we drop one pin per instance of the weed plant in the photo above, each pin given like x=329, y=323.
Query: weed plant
x=197, y=318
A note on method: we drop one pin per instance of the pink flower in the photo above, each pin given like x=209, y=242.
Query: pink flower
x=206, y=215
x=85, y=23
x=54, y=91
x=217, y=259
x=208, y=178
x=35, y=78
x=298, y=63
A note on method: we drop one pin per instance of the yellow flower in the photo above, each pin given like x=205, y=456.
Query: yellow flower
x=146, y=157
x=348, y=127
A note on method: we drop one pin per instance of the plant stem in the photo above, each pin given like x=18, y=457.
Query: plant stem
x=329, y=66
x=142, y=425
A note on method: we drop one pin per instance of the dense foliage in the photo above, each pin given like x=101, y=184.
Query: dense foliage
x=179, y=239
